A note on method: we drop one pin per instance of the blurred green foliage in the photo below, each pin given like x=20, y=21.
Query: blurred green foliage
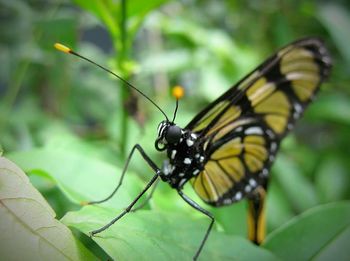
x=70, y=125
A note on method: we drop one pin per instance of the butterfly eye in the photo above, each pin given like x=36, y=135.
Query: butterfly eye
x=173, y=134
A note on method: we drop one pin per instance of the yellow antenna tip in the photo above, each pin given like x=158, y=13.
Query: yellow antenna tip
x=62, y=48
x=178, y=92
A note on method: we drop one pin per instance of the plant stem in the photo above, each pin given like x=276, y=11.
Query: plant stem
x=16, y=81
x=124, y=90
x=11, y=95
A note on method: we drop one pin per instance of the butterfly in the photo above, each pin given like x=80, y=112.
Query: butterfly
x=227, y=150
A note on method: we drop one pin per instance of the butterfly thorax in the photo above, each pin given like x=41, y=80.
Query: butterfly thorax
x=185, y=155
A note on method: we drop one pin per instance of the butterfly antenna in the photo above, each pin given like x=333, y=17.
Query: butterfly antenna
x=66, y=49
x=178, y=92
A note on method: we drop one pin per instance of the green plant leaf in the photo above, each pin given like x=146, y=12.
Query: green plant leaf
x=137, y=11
x=152, y=235
x=109, y=12
x=336, y=18
x=278, y=208
x=233, y=219
x=332, y=179
x=298, y=189
x=332, y=107
x=317, y=234
x=29, y=230
x=142, y=8
x=105, y=11
x=81, y=178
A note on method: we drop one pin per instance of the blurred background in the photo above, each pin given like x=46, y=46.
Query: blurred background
x=55, y=101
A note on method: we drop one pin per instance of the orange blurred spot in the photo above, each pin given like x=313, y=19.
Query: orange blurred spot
x=178, y=92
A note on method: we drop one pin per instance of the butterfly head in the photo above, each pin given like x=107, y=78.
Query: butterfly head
x=168, y=133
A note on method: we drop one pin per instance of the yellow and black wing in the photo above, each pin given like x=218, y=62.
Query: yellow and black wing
x=241, y=130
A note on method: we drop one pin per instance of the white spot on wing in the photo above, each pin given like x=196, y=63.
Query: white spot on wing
x=253, y=130
x=265, y=172
x=273, y=146
x=227, y=201
x=238, y=195
x=296, y=115
x=252, y=182
x=247, y=188
x=298, y=108
x=327, y=60
x=270, y=133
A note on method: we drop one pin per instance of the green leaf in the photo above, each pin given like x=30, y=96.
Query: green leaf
x=105, y=11
x=298, y=189
x=336, y=18
x=321, y=233
x=332, y=179
x=141, y=8
x=109, y=12
x=137, y=11
x=81, y=178
x=332, y=107
x=233, y=219
x=278, y=208
x=152, y=235
x=29, y=230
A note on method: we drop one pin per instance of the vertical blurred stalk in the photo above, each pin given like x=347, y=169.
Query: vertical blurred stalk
x=11, y=95
x=121, y=58
x=16, y=80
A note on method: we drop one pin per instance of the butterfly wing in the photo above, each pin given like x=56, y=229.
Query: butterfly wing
x=242, y=129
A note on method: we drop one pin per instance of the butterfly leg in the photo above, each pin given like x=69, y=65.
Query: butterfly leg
x=144, y=203
x=150, y=183
x=127, y=210
x=120, y=182
x=205, y=212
